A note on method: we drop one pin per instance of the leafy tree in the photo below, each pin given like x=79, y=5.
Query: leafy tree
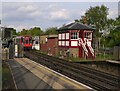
x=117, y=21
x=14, y=32
x=82, y=20
x=18, y=33
x=51, y=30
x=36, y=31
x=111, y=23
x=113, y=38
x=96, y=16
x=24, y=32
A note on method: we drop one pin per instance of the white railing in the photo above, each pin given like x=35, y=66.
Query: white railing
x=91, y=50
x=89, y=46
x=80, y=42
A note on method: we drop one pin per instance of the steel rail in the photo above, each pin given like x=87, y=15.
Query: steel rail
x=86, y=76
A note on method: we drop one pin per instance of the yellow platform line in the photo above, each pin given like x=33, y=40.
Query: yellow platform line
x=38, y=73
x=76, y=85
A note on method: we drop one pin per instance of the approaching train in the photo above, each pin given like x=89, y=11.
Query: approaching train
x=26, y=41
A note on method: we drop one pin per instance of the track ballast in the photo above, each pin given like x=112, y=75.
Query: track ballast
x=96, y=79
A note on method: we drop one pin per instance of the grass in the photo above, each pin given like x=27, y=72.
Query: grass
x=99, y=57
x=73, y=59
x=104, y=56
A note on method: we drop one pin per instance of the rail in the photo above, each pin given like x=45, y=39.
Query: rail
x=95, y=79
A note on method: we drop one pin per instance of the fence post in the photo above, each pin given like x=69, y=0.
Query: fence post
x=116, y=52
x=119, y=53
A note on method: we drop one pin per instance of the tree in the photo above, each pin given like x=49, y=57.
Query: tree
x=24, y=32
x=18, y=33
x=96, y=16
x=14, y=32
x=113, y=38
x=36, y=31
x=51, y=30
x=117, y=21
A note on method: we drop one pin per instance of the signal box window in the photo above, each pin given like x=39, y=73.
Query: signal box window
x=88, y=35
x=74, y=35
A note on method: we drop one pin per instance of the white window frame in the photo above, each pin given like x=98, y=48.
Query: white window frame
x=87, y=35
x=74, y=43
x=60, y=36
x=67, y=43
x=67, y=36
x=63, y=36
x=74, y=35
x=60, y=43
x=63, y=43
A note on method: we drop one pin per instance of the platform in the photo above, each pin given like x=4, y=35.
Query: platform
x=113, y=61
x=24, y=79
x=53, y=79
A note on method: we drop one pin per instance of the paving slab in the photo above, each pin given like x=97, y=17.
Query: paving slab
x=25, y=79
x=54, y=79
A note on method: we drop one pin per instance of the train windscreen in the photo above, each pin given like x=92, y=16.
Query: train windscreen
x=22, y=40
x=27, y=41
x=30, y=40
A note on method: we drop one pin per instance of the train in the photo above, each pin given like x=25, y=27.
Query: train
x=36, y=43
x=26, y=41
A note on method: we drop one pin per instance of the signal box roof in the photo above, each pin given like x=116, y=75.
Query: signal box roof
x=75, y=26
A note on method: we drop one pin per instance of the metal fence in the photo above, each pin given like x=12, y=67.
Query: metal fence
x=109, y=53
x=105, y=53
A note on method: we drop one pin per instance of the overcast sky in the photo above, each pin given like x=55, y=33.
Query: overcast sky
x=48, y=14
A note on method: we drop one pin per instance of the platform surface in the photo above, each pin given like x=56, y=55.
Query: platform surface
x=113, y=61
x=43, y=77
x=24, y=79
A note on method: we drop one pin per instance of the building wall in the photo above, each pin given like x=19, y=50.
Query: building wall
x=43, y=48
x=49, y=44
x=68, y=52
x=63, y=39
x=63, y=51
x=74, y=52
x=73, y=39
x=52, y=46
x=43, y=39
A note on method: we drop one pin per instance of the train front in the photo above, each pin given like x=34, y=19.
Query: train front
x=27, y=43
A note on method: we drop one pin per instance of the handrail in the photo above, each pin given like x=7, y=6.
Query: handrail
x=80, y=42
x=83, y=44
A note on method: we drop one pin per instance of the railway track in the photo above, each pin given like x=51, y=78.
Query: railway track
x=93, y=78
